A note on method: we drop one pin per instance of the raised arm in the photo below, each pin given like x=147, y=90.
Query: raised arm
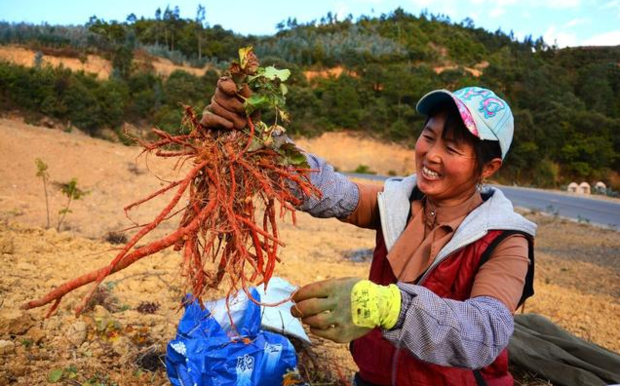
x=355, y=203
x=340, y=195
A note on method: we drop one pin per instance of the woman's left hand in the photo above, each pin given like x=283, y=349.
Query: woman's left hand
x=325, y=307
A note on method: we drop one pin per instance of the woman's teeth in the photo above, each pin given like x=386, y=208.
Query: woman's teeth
x=429, y=173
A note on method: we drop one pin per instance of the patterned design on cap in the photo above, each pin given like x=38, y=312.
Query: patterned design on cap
x=468, y=120
x=489, y=105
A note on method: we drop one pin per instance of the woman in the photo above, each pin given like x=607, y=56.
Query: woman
x=452, y=261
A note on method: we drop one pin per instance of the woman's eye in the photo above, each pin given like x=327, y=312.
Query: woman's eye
x=427, y=137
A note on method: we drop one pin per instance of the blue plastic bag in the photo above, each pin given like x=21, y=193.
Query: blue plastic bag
x=203, y=354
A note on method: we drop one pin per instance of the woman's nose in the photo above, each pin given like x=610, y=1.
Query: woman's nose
x=433, y=154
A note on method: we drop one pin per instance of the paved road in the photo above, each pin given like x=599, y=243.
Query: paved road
x=600, y=212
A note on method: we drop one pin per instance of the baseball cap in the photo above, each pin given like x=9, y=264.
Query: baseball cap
x=485, y=115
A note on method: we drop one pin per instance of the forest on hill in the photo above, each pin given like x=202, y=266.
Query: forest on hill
x=566, y=102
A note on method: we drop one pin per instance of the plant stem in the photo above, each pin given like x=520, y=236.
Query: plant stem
x=47, y=204
x=64, y=213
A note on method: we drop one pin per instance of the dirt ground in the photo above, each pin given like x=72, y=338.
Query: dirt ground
x=119, y=342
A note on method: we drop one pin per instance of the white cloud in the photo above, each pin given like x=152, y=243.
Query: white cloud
x=506, y=2
x=519, y=35
x=497, y=12
x=445, y=7
x=576, y=22
x=611, y=38
x=341, y=11
x=422, y=3
x=560, y=38
x=613, y=5
x=562, y=4
x=552, y=4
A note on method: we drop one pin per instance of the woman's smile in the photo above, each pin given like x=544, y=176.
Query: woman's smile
x=429, y=174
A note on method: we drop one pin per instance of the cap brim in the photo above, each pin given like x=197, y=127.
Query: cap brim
x=474, y=124
x=429, y=101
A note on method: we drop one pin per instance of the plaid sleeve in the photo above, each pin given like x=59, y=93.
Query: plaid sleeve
x=468, y=334
x=340, y=196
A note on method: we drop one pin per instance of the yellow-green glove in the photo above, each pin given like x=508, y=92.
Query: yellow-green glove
x=374, y=305
x=330, y=308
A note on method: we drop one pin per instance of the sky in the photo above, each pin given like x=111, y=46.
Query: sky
x=560, y=22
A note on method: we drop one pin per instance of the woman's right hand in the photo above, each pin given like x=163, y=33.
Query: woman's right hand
x=226, y=109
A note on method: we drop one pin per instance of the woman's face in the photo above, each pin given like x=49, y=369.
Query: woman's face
x=446, y=170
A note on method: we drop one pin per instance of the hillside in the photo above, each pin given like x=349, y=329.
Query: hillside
x=361, y=75
x=577, y=282
x=93, y=64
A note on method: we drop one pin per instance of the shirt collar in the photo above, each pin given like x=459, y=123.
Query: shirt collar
x=451, y=216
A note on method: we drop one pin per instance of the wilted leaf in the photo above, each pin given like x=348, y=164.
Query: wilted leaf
x=256, y=144
x=55, y=375
x=284, y=115
x=293, y=156
x=41, y=168
x=243, y=55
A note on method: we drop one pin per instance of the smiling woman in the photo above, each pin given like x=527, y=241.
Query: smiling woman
x=452, y=261
x=447, y=158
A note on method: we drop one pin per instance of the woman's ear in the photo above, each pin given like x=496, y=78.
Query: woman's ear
x=491, y=167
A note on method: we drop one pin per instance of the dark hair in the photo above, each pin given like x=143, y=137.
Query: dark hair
x=485, y=151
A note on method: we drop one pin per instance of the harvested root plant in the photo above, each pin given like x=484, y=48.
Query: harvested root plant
x=239, y=183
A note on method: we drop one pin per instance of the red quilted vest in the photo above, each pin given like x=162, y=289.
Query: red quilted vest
x=381, y=363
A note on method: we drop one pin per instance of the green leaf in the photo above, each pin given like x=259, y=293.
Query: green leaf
x=272, y=73
x=256, y=102
x=283, y=89
x=55, y=375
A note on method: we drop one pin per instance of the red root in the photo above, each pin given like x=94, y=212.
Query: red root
x=218, y=233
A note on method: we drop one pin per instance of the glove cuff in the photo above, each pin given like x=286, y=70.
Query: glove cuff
x=374, y=305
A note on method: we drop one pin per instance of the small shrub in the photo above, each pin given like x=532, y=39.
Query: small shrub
x=364, y=169
x=72, y=192
x=44, y=175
